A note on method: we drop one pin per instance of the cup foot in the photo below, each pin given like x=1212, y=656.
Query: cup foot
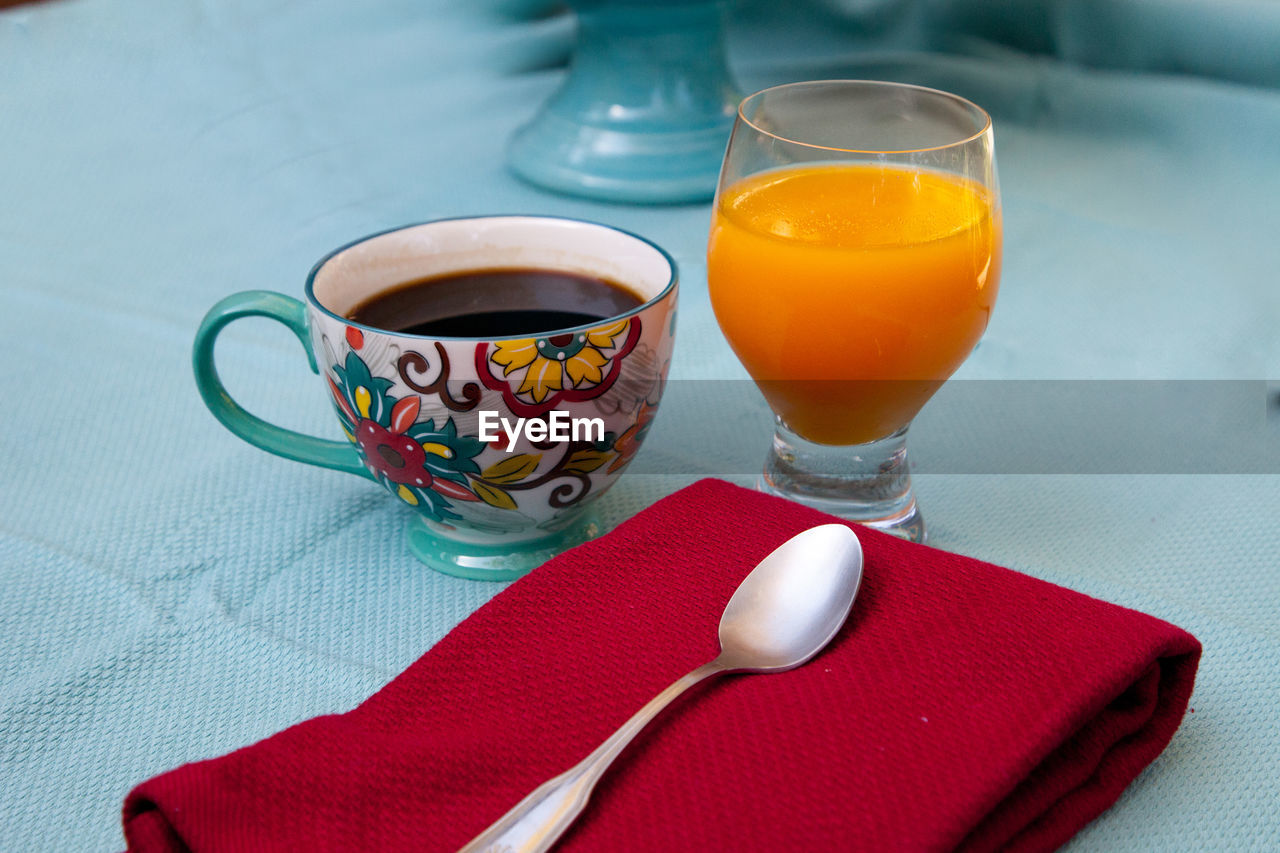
x=867, y=483
x=495, y=562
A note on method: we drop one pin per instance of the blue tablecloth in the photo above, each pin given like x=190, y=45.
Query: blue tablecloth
x=169, y=593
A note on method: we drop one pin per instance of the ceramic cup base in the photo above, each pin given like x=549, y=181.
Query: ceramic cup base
x=867, y=483
x=495, y=562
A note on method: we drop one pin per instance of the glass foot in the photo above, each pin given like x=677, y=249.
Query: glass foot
x=497, y=560
x=867, y=483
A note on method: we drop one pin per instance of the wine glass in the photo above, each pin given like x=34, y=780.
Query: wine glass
x=853, y=264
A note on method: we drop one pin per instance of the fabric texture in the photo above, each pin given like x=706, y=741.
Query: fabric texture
x=170, y=594
x=962, y=706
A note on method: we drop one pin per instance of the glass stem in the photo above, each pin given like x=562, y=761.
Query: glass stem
x=868, y=483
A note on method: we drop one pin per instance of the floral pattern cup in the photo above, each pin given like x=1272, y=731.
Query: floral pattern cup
x=416, y=411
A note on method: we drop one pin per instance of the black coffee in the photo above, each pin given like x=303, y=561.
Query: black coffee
x=495, y=303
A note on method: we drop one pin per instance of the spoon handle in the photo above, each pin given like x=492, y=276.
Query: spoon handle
x=535, y=823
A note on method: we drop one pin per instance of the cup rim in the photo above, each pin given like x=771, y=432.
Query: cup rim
x=983, y=114
x=672, y=280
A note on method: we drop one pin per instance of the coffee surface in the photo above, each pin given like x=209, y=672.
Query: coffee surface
x=495, y=303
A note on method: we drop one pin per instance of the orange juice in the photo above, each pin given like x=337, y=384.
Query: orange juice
x=851, y=292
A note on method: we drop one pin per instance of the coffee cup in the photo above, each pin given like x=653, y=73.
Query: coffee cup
x=498, y=433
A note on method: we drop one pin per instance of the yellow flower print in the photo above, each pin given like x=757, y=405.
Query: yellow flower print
x=603, y=338
x=537, y=373
x=585, y=366
x=513, y=355
x=543, y=377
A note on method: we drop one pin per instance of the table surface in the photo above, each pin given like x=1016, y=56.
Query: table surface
x=171, y=593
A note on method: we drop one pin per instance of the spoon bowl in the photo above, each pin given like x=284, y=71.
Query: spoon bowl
x=793, y=602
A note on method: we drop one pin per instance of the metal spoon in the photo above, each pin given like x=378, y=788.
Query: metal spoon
x=780, y=616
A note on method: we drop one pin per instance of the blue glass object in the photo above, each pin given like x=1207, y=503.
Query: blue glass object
x=645, y=111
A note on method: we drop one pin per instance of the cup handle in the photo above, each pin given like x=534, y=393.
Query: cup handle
x=338, y=455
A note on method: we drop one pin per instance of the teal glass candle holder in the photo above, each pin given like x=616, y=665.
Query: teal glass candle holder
x=645, y=111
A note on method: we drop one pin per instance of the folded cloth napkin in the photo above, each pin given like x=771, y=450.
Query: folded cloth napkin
x=963, y=705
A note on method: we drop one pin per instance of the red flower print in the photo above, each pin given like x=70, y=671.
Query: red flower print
x=394, y=455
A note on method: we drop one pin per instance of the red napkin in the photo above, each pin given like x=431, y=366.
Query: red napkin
x=963, y=705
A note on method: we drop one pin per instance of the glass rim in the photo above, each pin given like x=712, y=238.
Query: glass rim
x=951, y=96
